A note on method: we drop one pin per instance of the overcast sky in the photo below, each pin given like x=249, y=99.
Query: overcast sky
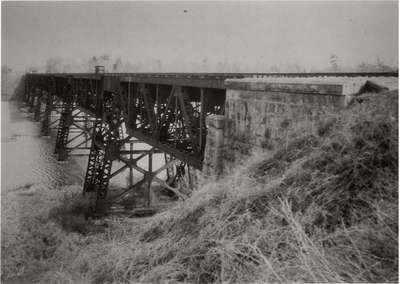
x=252, y=35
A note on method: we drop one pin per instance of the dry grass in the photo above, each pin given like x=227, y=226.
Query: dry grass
x=325, y=209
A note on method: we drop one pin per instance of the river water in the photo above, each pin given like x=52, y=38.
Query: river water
x=29, y=166
x=29, y=172
x=28, y=159
x=32, y=182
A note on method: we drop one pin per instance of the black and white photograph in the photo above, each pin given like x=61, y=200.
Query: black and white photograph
x=199, y=142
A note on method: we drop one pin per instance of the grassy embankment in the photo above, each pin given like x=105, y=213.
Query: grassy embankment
x=322, y=209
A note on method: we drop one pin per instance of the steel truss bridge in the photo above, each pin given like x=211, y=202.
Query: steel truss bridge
x=111, y=113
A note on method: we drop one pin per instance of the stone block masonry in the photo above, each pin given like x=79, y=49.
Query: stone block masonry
x=214, y=151
x=262, y=113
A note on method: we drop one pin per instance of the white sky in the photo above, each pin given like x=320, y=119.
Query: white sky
x=253, y=36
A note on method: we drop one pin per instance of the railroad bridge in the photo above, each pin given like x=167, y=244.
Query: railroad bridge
x=194, y=121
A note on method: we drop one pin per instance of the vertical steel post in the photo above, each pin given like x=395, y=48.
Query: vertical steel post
x=150, y=178
x=64, y=124
x=26, y=90
x=93, y=164
x=130, y=164
x=38, y=105
x=201, y=118
x=157, y=110
x=45, y=130
x=32, y=100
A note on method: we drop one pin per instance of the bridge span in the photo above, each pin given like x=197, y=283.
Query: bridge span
x=112, y=112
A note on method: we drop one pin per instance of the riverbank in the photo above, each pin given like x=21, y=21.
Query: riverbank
x=43, y=212
x=323, y=208
x=32, y=183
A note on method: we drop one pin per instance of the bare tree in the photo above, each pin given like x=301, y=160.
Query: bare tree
x=32, y=69
x=299, y=69
x=334, y=61
x=105, y=60
x=5, y=77
x=117, y=66
x=105, y=57
x=5, y=70
x=274, y=69
x=381, y=66
x=54, y=65
x=363, y=67
x=93, y=61
x=159, y=65
x=204, y=63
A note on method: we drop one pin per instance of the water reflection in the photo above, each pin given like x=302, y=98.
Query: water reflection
x=28, y=158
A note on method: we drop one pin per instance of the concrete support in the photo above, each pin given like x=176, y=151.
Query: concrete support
x=214, y=151
x=263, y=114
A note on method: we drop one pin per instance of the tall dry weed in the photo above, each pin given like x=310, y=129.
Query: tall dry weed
x=323, y=209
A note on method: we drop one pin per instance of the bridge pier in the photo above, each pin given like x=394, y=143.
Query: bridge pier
x=28, y=92
x=53, y=108
x=63, y=132
x=109, y=146
x=141, y=178
x=38, y=106
x=32, y=100
x=214, y=151
x=45, y=127
x=265, y=114
x=27, y=97
x=71, y=118
x=50, y=103
x=73, y=122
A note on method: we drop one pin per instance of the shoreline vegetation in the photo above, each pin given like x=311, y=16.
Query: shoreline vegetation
x=323, y=208
x=11, y=77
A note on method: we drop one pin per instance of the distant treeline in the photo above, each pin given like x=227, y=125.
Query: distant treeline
x=117, y=64
x=10, y=77
x=9, y=82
